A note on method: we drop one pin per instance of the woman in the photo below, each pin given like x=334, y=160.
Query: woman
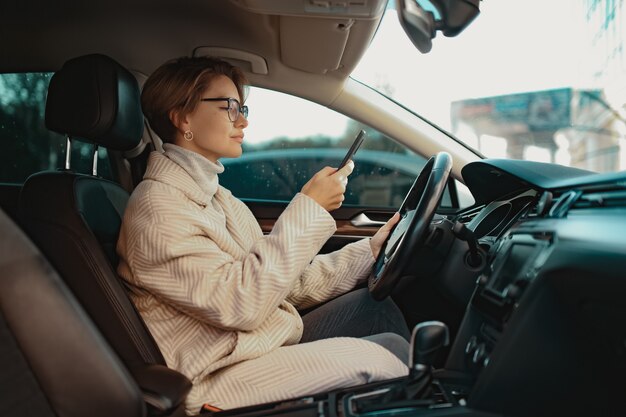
x=218, y=296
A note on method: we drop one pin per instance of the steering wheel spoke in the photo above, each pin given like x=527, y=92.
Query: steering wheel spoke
x=398, y=232
x=409, y=235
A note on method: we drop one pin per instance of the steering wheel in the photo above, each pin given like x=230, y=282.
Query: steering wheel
x=410, y=233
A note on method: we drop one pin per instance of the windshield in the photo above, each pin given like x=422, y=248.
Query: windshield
x=528, y=79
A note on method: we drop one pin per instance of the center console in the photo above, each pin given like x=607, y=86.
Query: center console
x=373, y=400
x=423, y=392
x=516, y=261
x=516, y=352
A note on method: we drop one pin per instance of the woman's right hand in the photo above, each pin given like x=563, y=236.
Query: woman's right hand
x=328, y=186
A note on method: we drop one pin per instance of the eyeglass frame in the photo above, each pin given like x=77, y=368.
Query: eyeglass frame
x=243, y=110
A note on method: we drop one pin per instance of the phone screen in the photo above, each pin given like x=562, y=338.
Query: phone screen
x=355, y=146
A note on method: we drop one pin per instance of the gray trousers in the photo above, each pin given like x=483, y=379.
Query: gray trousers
x=357, y=314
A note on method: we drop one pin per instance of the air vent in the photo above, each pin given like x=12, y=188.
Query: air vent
x=606, y=199
x=561, y=207
x=542, y=206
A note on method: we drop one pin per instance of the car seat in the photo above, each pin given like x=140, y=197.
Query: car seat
x=54, y=362
x=75, y=218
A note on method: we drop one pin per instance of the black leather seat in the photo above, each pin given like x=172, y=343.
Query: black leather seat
x=75, y=218
x=53, y=360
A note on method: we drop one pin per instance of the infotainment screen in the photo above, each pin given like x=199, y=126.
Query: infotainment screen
x=512, y=266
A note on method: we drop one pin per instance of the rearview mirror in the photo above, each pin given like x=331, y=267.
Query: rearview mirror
x=421, y=19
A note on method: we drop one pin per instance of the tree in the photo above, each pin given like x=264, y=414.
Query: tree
x=27, y=145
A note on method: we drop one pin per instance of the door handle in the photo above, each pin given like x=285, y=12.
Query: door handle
x=363, y=221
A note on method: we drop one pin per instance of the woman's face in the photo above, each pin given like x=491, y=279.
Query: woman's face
x=214, y=135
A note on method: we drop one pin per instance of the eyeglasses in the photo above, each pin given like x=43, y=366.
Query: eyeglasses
x=234, y=107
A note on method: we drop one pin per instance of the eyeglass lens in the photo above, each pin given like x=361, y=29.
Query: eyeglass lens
x=234, y=108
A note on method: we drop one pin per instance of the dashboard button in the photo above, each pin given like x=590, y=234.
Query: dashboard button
x=479, y=354
x=486, y=361
x=482, y=280
x=471, y=345
x=513, y=291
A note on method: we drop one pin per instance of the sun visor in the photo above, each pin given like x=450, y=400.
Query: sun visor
x=317, y=54
x=362, y=9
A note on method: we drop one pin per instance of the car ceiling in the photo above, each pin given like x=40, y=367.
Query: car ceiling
x=309, y=46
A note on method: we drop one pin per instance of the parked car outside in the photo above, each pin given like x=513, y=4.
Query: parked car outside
x=379, y=179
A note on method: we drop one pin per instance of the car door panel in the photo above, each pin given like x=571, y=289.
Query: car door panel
x=267, y=213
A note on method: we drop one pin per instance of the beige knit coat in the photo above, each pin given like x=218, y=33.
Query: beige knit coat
x=220, y=298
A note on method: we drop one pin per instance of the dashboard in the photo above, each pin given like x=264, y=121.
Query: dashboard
x=544, y=330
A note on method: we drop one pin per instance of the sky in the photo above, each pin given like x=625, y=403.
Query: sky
x=512, y=46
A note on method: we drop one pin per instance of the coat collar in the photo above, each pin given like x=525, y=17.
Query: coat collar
x=163, y=169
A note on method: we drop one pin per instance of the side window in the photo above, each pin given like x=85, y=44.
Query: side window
x=283, y=149
x=27, y=146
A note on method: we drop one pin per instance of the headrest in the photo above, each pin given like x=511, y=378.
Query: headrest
x=94, y=99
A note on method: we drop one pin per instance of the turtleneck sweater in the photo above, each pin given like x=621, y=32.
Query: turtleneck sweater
x=203, y=171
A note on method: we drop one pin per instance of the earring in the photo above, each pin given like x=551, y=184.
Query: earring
x=188, y=135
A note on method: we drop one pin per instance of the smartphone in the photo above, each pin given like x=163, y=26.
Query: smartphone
x=355, y=147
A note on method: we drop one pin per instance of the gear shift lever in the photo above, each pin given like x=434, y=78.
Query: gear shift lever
x=426, y=341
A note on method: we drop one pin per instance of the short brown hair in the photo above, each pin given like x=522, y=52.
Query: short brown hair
x=178, y=85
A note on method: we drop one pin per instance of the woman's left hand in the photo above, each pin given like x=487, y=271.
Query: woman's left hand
x=376, y=242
